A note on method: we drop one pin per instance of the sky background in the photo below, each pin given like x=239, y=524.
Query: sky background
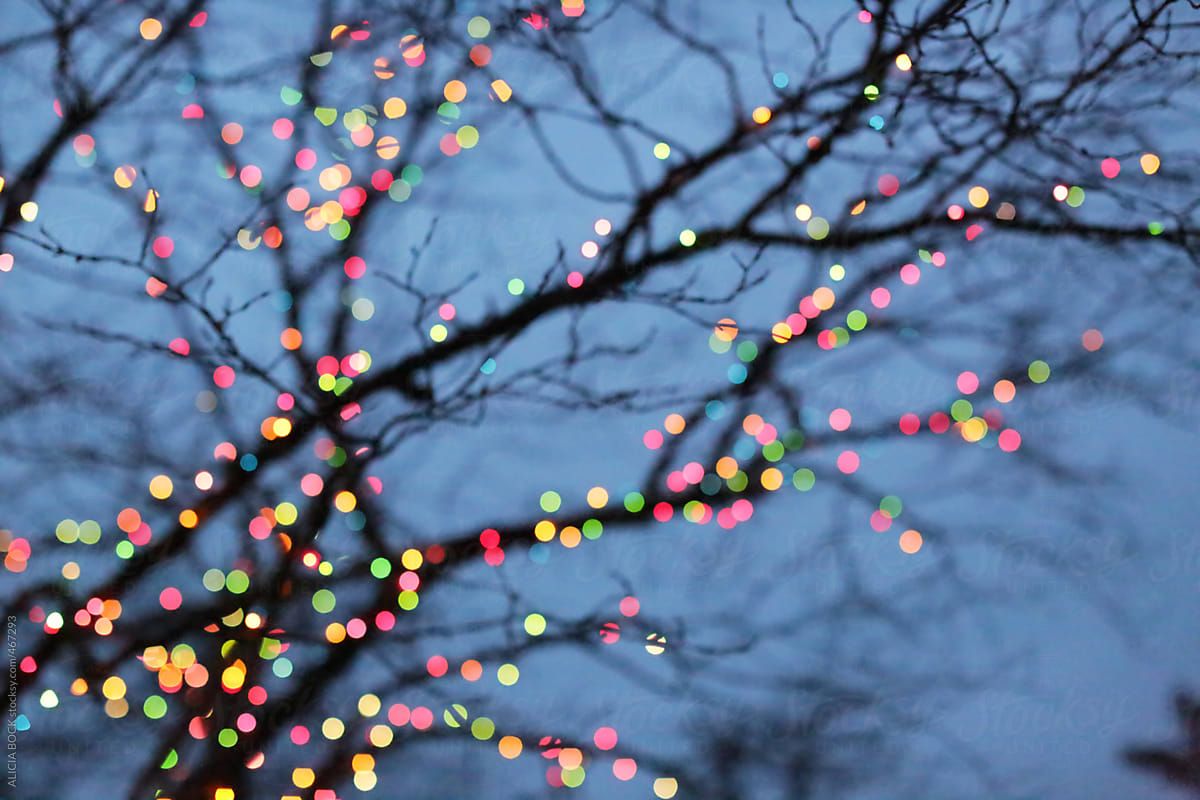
x=1023, y=678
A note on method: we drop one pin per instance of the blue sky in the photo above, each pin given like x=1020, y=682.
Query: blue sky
x=1040, y=629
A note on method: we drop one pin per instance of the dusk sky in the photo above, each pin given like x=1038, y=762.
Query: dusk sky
x=633, y=399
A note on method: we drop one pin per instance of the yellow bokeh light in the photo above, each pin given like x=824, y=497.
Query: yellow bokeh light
x=155, y=657
x=772, y=479
x=978, y=196
x=411, y=558
x=455, y=91
x=233, y=676
x=124, y=176
x=597, y=497
x=395, y=107
x=387, y=148
x=161, y=487
x=974, y=429
x=113, y=688
x=345, y=501
x=285, y=513
x=544, y=530
x=665, y=788
x=369, y=705
x=150, y=29
x=331, y=212
x=330, y=179
x=502, y=90
x=380, y=735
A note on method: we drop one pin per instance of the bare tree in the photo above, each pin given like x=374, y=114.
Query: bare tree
x=1178, y=764
x=432, y=330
